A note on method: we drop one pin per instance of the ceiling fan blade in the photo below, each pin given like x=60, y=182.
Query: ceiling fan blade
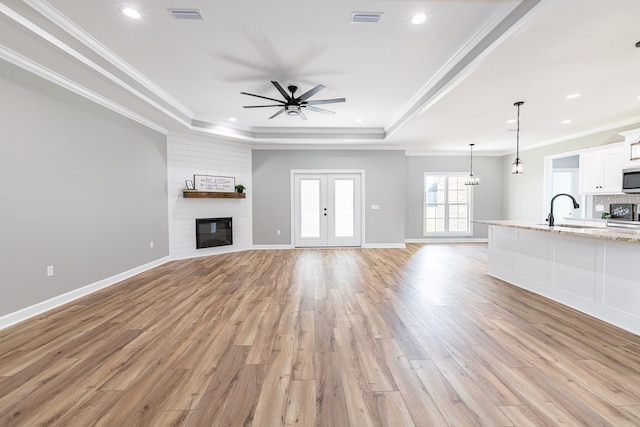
x=325, y=101
x=261, y=106
x=302, y=116
x=319, y=110
x=263, y=97
x=282, y=91
x=280, y=111
x=308, y=94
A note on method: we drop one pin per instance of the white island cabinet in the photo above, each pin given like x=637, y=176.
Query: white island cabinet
x=596, y=271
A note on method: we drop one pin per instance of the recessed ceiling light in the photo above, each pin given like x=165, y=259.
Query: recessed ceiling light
x=573, y=96
x=131, y=13
x=418, y=18
x=232, y=119
x=358, y=120
x=565, y=122
x=511, y=121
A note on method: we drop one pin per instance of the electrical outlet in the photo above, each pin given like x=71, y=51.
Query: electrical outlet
x=151, y=244
x=49, y=270
x=278, y=232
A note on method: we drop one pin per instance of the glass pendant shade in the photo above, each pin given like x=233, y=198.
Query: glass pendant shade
x=517, y=167
x=471, y=180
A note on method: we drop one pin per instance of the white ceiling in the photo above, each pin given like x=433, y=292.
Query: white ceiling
x=429, y=88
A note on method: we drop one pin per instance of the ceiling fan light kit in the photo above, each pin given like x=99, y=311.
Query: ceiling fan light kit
x=292, y=105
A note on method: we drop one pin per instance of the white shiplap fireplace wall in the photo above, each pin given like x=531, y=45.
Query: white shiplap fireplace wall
x=189, y=155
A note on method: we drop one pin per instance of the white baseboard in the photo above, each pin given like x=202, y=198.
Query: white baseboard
x=39, y=308
x=205, y=252
x=366, y=245
x=384, y=246
x=449, y=240
x=268, y=247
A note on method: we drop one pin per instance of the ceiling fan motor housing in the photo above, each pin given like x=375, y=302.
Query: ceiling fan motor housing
x=292, y=109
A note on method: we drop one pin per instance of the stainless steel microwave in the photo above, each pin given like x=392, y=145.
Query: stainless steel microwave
x=631, y=180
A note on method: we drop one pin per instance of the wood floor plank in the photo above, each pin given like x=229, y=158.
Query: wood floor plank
x=272, y=401
x=327, y=337
x=421, y=406
x=393, y=411
x=523, y=416
x=264, y=339
x=379, y=328
x=215, y=398
x=301, y=406
x=579, y=411
x=499, y=393
x=376, y=369
x=241, y=403
x=358, y=396
x=331, y=405
x=304, y=352
x=452, y=406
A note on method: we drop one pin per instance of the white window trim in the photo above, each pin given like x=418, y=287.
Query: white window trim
x=424, y=204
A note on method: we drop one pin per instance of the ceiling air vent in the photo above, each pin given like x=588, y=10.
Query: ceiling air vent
x=190, y=14
x=366, y=17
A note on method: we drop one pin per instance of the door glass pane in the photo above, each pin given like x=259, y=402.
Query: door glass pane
x=310, y=208
x=344, y=208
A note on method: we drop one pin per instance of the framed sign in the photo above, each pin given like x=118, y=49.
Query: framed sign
x=621, y=210
x=220, y=184
x=189, y=184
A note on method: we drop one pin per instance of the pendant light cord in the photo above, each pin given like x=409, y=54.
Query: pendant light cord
x=518, y=104
x=518, y=134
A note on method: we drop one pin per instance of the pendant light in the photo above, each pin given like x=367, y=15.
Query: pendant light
x=471, y=180
x=517, y=167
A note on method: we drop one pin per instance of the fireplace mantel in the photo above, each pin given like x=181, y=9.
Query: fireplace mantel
x=194, y=194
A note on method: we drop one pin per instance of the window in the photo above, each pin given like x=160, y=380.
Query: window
x=447, y=205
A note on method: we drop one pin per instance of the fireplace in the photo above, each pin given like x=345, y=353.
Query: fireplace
x=212, y=232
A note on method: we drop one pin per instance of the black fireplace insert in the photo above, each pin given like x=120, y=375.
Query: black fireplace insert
x=211, y=232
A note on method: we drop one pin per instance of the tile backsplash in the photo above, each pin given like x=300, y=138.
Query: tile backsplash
x=607, y=200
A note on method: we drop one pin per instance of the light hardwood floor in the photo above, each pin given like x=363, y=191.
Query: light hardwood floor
x=333, y=337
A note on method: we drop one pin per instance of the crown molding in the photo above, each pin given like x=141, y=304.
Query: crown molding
x=634, y=121
x=291, y=135
x=37, y=69
x=29, y=25
x=506, y=20
x=51, y=13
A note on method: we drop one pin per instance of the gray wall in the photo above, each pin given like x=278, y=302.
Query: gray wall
x=83, y=189
x=487, y=197
x=522, y=194
x=384, y=186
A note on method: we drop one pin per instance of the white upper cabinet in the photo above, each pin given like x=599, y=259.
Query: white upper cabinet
x=601, y=170
x=631, y=151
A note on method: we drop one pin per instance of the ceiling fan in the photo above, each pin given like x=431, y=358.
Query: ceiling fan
x=293, y=105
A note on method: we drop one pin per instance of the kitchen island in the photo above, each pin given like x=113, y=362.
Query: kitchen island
x=595, y=270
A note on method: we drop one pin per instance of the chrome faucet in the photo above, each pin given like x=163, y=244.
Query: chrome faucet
x=550, y=217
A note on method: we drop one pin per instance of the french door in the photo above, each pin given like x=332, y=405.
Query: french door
x=327, y=209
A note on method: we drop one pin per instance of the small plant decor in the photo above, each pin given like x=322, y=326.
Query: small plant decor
x=240, y=188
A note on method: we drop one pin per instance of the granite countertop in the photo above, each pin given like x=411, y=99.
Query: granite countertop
x=594, y=232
